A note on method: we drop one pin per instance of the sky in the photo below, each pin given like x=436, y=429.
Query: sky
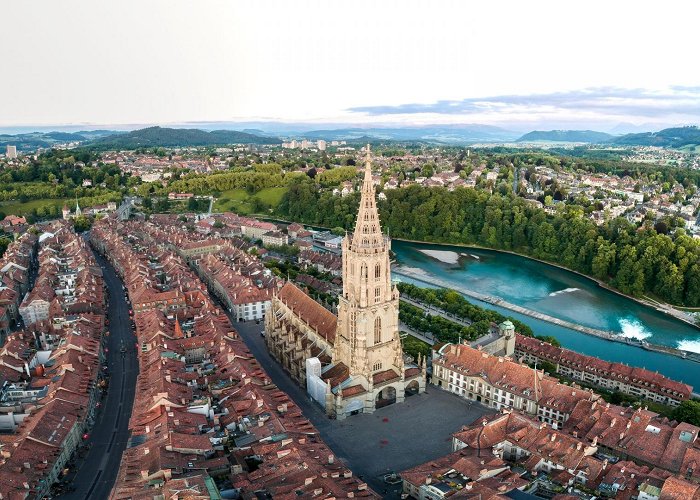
x=517, y=64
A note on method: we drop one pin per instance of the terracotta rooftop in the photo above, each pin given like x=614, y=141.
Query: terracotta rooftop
x=310, y=311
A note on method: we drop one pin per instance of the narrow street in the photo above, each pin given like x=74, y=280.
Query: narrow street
x=96, y=471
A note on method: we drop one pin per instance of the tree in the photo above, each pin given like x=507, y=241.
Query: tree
x=688, y=411
x=81, y=224
x=549, y=339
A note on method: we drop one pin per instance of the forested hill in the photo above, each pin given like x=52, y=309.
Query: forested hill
x=32, y=140
x=566, y=136
x=174, y=137
x=668, y=138
x=634, y=261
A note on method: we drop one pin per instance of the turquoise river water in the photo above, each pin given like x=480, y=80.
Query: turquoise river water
x=562, y=294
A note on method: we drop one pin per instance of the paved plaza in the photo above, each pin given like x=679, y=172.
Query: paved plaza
x=391, y=439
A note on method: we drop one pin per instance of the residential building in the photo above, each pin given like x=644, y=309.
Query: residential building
x=630, y=380
x=500, y=382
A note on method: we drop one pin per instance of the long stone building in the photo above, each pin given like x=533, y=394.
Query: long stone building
x=353, y=362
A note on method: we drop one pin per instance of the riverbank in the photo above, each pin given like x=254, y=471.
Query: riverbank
x=497, y=301
x=662, y=307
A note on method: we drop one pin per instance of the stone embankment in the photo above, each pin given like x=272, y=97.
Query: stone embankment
x=497, y=301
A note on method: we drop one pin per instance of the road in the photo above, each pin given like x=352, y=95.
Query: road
x=97, y=470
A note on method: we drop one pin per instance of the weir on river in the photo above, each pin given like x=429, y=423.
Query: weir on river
x=497, y=301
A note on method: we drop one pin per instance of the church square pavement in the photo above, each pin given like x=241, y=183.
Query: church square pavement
x=392, y=438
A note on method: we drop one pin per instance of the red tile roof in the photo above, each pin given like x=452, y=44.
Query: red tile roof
x=311, y=312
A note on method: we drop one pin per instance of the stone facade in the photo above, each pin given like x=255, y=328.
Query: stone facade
x=360, y=353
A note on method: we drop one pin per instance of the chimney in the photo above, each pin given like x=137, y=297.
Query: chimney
x=331, y=459
x=428, y=480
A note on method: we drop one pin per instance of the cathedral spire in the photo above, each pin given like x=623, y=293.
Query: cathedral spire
x=367, y=184
x=368, y=233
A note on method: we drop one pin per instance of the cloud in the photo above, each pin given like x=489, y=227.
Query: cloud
x=601, y=101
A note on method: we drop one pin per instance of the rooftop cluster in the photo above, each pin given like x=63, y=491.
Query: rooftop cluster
x=50, y=370
x=206, y=417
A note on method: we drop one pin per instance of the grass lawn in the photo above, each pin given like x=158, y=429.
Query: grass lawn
x=19, y=208
x=271, y=196
x=239, y=201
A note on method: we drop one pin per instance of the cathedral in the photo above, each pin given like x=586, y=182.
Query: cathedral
x=351, y=363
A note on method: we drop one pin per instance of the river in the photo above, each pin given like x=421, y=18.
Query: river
x=562, y=294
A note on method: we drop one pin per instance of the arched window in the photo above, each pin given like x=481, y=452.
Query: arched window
x=363, y=271
x=365, y=241
x=377, y=366
x=377, y=295
x=377, y=271
x=365, y=229
x=377, y=330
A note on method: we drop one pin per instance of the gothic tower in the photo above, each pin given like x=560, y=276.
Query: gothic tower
x=367, y=338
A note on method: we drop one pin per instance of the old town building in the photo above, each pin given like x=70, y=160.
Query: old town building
x=499, y=382
x=352, y=363
x=611, y=376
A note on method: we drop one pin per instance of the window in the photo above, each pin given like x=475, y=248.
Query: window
x=377, y=271
x=377, y=366
x=377, y=330
x=363, y=271
x=377, y=295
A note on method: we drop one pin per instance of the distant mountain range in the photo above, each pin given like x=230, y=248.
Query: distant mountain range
x=566, y=136
x=172, y=137
x=675, y=137
x=458, y=134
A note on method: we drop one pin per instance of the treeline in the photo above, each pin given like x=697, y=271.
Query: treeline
x=253, y=179
x=60, y=174
x=635, y=261
x=453, y=302
x=441, y=329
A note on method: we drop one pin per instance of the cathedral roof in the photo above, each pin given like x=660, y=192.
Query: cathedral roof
x=310, y=311
x=337, y=374
x=384, y=376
